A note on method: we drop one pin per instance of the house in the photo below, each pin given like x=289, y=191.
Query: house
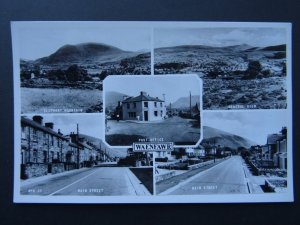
x=143, y=108
x=44, y=150
x=277, y=149
x=195, y=152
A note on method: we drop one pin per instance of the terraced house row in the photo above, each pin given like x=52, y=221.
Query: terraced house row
x=44, y=150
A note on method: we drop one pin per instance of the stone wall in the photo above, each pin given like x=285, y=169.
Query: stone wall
x=57, y=168
x=33, y=170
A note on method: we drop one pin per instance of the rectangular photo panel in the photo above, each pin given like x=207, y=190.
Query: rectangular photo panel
x=64, y=155
x=60, y=66
x=241, y=67
x=241, y=153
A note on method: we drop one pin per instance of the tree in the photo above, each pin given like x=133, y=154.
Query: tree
x=254, y=69
x=283, y=69
x=75, y=73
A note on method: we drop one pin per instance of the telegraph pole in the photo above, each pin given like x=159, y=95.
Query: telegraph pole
x=77, y=135
x=190, y=104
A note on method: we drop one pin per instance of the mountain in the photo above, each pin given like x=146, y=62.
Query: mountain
x=82, y=52
x=281, y=48
x=112, y=98
x=184, y=102
x=242, y=47
x=225, y=139
x=231, y=48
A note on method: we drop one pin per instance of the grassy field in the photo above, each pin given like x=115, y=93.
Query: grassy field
x=62, y=100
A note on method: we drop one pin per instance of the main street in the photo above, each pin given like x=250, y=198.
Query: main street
x=228, y=177
x=106, y=181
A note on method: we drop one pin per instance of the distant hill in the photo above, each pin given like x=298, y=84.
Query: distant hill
x=242, y=47
x=225, y=139
x=112, y=152
x=112, y=98
x=184, y=102
x=275, y=48
x=232, y=48
x=82, y=52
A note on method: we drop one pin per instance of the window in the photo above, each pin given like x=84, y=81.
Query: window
x=132, y=114
x=155, y=104
x=23, y=134
x=128, y=105
x=161, y=104
x=145, y=104
x=52, y=155
x=34, y=135
x=45, y=156
x=134, y=105
x=155, y=113
x=161, y=113
x=35, y=155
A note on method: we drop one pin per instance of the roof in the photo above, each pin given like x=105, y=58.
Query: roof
x=141, y=97
x=273, y=138
x=38, y=126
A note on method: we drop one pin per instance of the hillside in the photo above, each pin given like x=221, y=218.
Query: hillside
x=112, y=98
x=225, y=139
x=95, y=58
x=112, y=152
x=81, y=52
x=184, y=102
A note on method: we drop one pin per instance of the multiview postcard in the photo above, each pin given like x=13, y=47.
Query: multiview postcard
x=152, y=112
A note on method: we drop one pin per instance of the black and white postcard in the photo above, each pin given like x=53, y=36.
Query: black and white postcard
x=152, y=112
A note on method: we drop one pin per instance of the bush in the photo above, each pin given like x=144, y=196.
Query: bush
x=254, y=69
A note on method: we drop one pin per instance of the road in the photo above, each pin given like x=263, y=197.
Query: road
x=175, y=129
x=100, y=181
x=228, y=177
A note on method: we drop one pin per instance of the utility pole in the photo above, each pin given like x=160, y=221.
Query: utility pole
x=190, y=104
x=77, y=135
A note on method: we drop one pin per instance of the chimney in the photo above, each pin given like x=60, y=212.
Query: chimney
x=143, y=93
x=38, y=119
x=59, y=132
x=49, y=125
x=73, y=137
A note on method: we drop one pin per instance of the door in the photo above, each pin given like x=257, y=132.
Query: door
x=145, y=115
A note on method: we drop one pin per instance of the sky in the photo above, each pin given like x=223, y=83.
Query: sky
x=40, y=39
x=89, y=124
x=173, y=86
x=254, y=125
x=219, y=37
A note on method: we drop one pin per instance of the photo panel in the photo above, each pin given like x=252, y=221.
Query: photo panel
x=241, y=67
x=64, y=155
x=153, y=109
x=242, y=152
x=61, y=65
